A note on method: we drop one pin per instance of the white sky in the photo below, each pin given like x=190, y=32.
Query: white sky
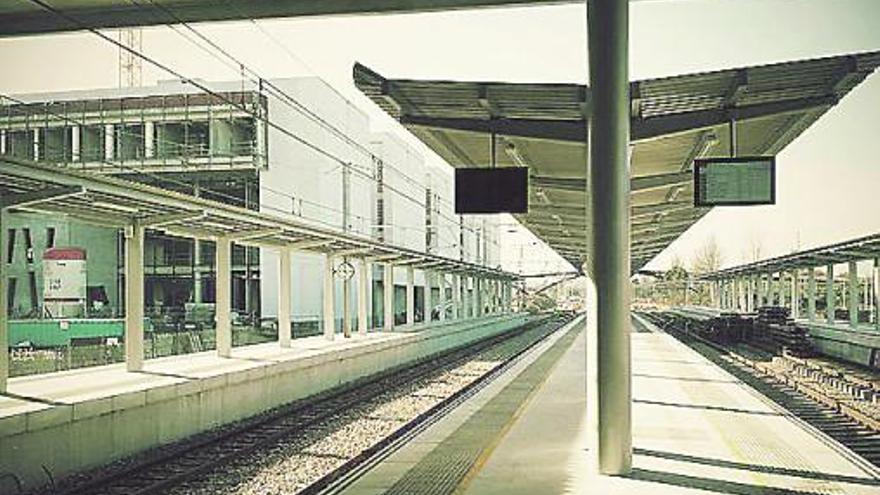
x=828, y=179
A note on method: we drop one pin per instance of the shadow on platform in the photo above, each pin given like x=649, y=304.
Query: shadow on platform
x=684, y=378
x=799, y=473
x=706, y=407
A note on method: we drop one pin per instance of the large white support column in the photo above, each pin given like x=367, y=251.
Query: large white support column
x=456, y=297
x=329, y=299
x=829, y=293
x=410, y=296
x=284, y=283
x=852, y=294
x=364, y=270
x=441, y=284
x=4, y=303
x=427, y=300
x=223, y=297
x=795, y=294
x=134, y=297
x=388, y=297
x=609, y=239
x=811, y=293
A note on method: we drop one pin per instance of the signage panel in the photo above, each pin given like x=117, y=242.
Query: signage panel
x=735, y=181
x=492, y=190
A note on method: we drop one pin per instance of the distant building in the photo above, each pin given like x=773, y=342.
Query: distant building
x=322, y=164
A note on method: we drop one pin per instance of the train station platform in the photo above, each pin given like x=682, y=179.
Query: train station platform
x=697, y=429
x=55, y=424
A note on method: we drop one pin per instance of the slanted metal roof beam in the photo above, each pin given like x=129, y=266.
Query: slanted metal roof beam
x=647, y=182
x=650, y=128
x=246, y=235
x=307, y=244
x=643, y=183
x=157, y=221
x=353, y=251
x=665, y=206
x=32, y=198
x=640, y=129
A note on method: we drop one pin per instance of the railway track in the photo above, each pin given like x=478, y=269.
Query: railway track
x=173, y=466
x=813, y=401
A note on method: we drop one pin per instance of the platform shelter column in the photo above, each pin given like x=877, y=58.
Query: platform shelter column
x=427, y=302
x=388, y=297
x=609, y=234
x=441, y=284
x=456, y=297
x=4, y=305
x=489, y=296
x=364, y=270
x=852, y=294
x=811, y=293
x=795, y=293
x=829, y=293
x=410, y=296
x=329, y=299
x=134, y=297
x=750, y=294
x=466, y=303
x=478, y=297
x=738, y=289
x=876, y=292
x=759, y=280
x=284, y=275
x=346, y=306
x=223, y=297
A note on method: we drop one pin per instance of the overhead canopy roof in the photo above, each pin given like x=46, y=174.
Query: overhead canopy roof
x=673, y=121
x=863, y=248
x=112, y=202
x=19, y=17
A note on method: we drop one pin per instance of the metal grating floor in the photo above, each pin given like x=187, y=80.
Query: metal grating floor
x=448, y=466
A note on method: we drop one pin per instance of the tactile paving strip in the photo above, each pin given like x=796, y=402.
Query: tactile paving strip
x=443, y=470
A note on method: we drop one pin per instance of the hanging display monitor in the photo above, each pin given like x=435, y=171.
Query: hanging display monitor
x=491, y=190
x=735, y=181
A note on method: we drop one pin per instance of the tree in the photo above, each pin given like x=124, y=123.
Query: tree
x=707, y=259
x=755, y=250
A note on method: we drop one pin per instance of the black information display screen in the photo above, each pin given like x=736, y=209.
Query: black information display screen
x=735, y=181
x=492, y=190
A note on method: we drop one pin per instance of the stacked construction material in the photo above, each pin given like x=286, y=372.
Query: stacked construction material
x=728, y=328
x=775, y=331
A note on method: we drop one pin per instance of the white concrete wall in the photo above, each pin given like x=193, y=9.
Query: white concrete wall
x=302, y=181
x=440, y=179
x=404, y=191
